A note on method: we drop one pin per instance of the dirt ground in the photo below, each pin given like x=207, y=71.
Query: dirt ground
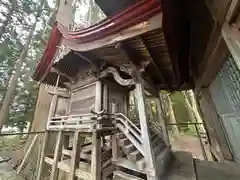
x=191, y=144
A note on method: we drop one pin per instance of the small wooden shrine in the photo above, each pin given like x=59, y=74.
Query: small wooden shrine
x=93, y=71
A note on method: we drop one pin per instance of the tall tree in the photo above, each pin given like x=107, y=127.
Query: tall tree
x=8, y=17
x=172, y=118
x=18, y=69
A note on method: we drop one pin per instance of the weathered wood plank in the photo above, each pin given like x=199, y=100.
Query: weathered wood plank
x=216, y=133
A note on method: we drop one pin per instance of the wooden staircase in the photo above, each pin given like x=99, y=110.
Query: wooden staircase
x=131, y=155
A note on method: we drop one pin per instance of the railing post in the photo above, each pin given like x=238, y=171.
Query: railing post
x=148, y=152
x=115, y=150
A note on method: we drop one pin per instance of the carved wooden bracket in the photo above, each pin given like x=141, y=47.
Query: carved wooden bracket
x=117, y=77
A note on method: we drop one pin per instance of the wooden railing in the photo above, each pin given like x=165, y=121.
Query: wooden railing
x=81, y=121
x=130, y=130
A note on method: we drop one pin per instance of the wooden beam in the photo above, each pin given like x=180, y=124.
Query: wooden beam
x=117, y=77
x=136, y=68
x=232, y=11
x=43, y=152
x=75, y=155
x=157, y=69
x=55, y=70
x=86, y=59
x=148, y=151
x=152, y=23
x=65, y=167
x=96, y=156
x=57, y=156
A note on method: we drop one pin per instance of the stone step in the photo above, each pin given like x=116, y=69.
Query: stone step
x=125, y=176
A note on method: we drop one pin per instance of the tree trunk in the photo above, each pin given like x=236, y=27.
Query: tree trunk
x=189, y=108
x=14, y=79
x=194, y=108
x=8, y=17
x=172, y=118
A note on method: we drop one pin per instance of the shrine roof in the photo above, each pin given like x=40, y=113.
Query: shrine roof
x=132, y=36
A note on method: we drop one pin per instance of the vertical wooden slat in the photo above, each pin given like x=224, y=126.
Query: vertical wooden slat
x=75, y=156
x=57, y=156
x=148, y=152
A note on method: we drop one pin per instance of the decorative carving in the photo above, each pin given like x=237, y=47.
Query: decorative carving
x=62, y=51
x=117, y=77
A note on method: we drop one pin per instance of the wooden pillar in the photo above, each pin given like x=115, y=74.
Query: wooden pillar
x=162, y=121
x=105, y=97
x=115, y=150
x=148, y=152
x=98, y=98
x=96, y=139
x=57, y=156
x=75, y=157
x=43, y=151
x=46, y=134
x=96, y=156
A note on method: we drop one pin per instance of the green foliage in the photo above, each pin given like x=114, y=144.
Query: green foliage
x=179, y=107
x=12, y=39
x=11, y=143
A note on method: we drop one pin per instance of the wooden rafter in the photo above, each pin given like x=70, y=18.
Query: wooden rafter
x=55, y=70
x=157, y=69
x=136, y=68
x=86, y=59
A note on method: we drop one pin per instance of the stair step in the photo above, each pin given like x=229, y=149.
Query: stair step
x=126, y=176
x=134, y=156
x=121, y=135
x=128, y=148
x=125, y=141
x=141, y=164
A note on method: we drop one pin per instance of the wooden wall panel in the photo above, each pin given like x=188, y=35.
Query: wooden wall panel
x=215, y=131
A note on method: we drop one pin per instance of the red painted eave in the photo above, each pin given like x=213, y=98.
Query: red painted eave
x=137, y=13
